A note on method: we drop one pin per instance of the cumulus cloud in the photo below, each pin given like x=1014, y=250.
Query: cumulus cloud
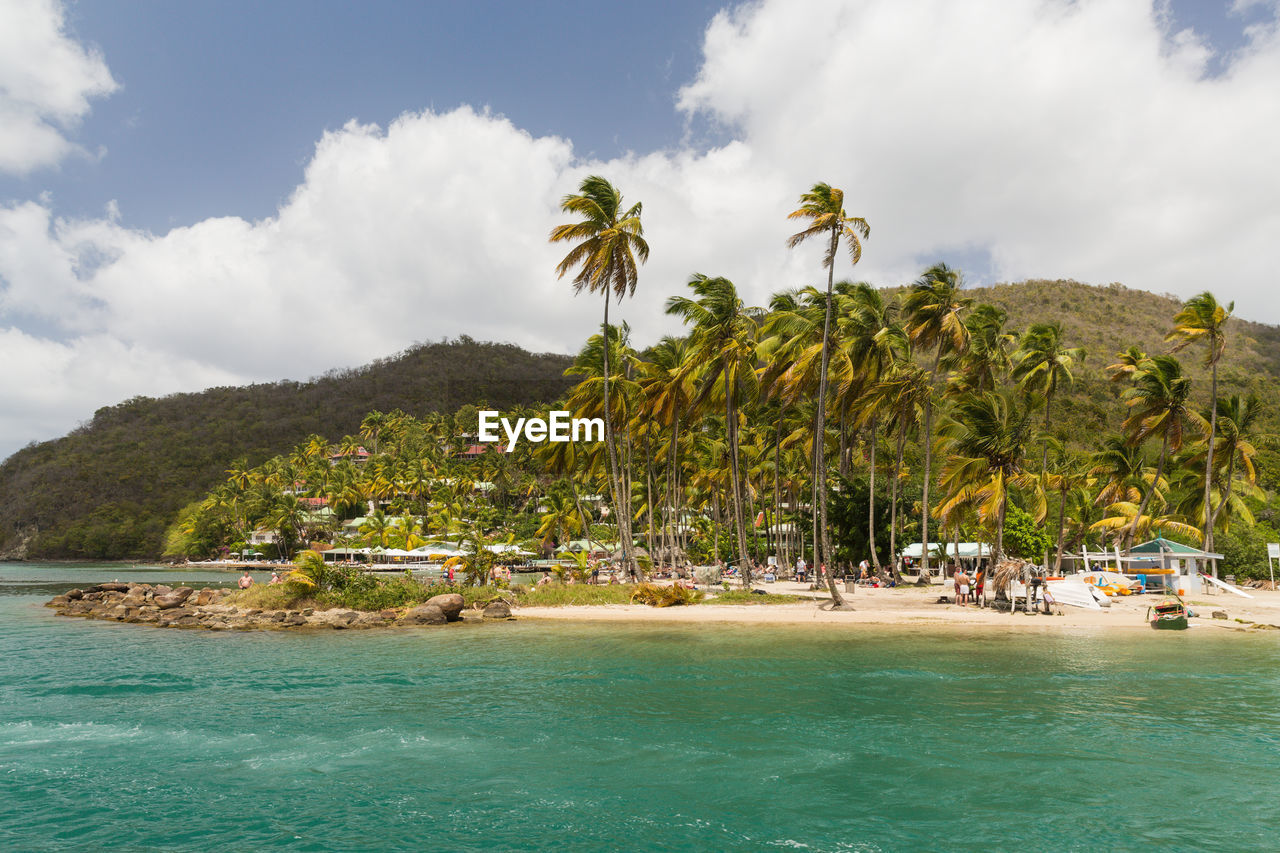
x=1061, y=139
x=46, y=81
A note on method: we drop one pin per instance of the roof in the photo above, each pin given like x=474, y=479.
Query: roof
x=967, y=549
x=1165, y=546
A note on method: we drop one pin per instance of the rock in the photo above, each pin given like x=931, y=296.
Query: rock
x=497, y=610
x=294, y=619
x=135, y=598
x=110, y=587
x=426, y=614
x=367, y=620
x=204, y=596
x=336, y=618
x=450, y=604
x=58, y=601
x=75, y=594
x=173, y=599
x=389, y=614
x=1219, y=614
x=160, y=588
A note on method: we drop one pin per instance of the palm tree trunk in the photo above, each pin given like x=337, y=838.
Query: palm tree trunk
x=1044, y=455
x=731, y=415
x=893, y=499
x=614, y=484
x=927, y=438
x=871, y=501
x=648, y=494
x=1004, y=507
x=820, y=471
x=1062, y=529
x=780, y=550
x=1208, y=462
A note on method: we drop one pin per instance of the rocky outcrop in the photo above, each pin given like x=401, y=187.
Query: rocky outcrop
x=185, y=607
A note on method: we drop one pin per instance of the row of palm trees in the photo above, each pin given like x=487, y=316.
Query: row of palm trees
x=928, y=365
x=762, y=412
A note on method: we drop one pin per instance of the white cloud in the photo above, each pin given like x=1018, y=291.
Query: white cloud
x=1066, y=139
x=46, y=82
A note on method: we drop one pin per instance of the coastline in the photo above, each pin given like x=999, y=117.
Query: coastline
x=918, y=607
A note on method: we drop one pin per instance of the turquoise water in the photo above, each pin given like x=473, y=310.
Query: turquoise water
x=528, y=736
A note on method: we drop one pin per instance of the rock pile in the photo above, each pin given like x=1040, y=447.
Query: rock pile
x=184, y=607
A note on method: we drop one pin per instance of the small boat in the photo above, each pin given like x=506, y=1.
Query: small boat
x=1170, y=615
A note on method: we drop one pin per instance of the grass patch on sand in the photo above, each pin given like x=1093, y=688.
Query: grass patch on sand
x=744, y=596
x=577, y=595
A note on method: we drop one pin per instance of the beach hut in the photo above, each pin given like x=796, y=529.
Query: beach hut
x=968, y=553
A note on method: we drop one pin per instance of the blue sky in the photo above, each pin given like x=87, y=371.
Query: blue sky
x=220, y=103
x=197, y=193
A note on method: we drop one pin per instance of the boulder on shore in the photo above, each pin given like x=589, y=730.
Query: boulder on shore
x=498, y=609
x=425, y=614
x=450, y=603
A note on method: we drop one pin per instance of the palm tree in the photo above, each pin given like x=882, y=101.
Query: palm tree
x=1203, y=319
x=1158, y=406
x=823, y=209
x=933, y=306
x=986, y=437
x=1042, y=363
x=722, y=350
x=664, y=377
x=608, y=240
x=561, y=519
x=987, y=359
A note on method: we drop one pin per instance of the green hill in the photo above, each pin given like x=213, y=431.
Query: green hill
x=108, y=489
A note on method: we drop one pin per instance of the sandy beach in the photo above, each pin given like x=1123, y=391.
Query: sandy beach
x=917, y=606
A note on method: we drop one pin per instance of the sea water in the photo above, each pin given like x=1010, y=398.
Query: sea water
x=534, y=736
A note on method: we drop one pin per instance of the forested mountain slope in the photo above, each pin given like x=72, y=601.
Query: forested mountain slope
x=108, y=489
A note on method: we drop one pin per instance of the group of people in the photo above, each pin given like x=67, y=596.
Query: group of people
x=246, y=579
x=968, y=590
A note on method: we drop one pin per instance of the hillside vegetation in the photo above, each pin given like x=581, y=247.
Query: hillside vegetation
x=109, y=488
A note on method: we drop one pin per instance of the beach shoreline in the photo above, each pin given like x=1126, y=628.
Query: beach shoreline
x=918, y=607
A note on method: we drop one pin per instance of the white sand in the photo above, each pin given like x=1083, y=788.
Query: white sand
x=916, y=606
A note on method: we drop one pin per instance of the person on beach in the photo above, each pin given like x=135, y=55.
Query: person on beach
x=545, y=579
x=979, y=581
x=595, y=573
x=275, y=579
x=246, y=580
x=800, y=569
x=962, y=587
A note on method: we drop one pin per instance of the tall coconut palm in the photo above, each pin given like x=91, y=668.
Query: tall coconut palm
x=608, y=241
x=875, y=342
x=822, y=208
x=1042, y=364
x=986, y=437
x=723, y=350
x=1157, y=407
x=933, y=308
x=1202, y=319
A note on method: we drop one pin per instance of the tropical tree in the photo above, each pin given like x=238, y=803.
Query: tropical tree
x=986, y=437
x=822, y=208
x=1202, y=319
x=933, y=308
x=1157, y=407
x=608, y=241
x=1042, y=364
x=723, y=352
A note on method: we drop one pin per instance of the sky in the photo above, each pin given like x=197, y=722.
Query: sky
x=217, y=193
